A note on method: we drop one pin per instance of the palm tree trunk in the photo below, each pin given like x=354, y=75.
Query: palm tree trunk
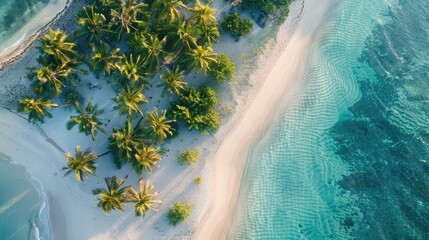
x=104, y=154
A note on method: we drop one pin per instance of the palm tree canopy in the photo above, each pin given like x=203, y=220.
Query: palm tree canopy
x=153, y=51
x=127, y=17
x=200, y=58
x=146, y=157
x=56, y=44
x=143, y=200
x=81, y=164
x=125, y=141
x=160, y=127
x=132, y=69
x=87, y=120
x=202, y=15
x=129, y=100
x=37, y=108
x=92, y=25
x=172, y=81
x=113, y=197
x=168, y=9
x=104, y=58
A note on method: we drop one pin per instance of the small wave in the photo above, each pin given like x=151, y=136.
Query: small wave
x=41, y=224
x=17, y=43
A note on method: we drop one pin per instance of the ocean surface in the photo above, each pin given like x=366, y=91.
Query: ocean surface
x=20, y=204
x=349, y=155
x=15, y=13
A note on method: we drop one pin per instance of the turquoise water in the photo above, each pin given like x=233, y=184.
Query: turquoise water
x=15, y=13
x=348, y=158
x=20, y=204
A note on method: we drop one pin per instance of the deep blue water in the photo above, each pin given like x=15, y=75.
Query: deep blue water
x=349, y=157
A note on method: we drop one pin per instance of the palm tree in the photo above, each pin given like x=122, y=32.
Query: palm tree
x=168, y=9
x=208, y=34
x=160, y=128
x=153, y=51
x=57, y=45
x=104, y=58
x=132, y=69
x=37, y=108
x=143, y=200
x=114, y=197
x=202, y=15
x=187, y=34
x=126, y=18
x=129, y=100
x=82, y=164
x=172, y=81
x=146, y=157
x=125, y=141
x=92, y=25
x=87, y=120
x=52, y=77
x=200, y=58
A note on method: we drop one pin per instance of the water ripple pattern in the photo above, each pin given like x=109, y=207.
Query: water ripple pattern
x=289, y=190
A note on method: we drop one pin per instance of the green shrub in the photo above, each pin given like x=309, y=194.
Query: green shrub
x=189, y=157
x=196, y=109
x=198, y=180
x=237, y=26
x=179, y=212
x=223, y=69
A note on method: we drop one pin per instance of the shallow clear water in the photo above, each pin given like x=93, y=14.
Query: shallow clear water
x=19, y=203
x=15, y=13
x=348, y=158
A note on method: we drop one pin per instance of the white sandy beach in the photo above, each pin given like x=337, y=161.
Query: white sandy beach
x=73, y=209
x=282, y=81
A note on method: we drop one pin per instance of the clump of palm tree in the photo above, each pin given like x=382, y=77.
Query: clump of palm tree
x=81, y=164
x=146, y=158
x=129, y=100
x=125, y=141
x=37, y=108
x=159, y=126
x=172, y=81
x=144, y=199
x=87, y=120
x=114, y=196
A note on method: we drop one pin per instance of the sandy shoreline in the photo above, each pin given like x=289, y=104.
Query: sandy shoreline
x=14, y=53
x=74, y=214
x=230, y=159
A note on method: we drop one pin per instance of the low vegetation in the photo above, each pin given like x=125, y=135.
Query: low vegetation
x=188, y=157
x=179, y=212
x=237, y=26
x=277, y=9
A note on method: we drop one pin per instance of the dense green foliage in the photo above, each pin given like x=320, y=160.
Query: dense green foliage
x=237, y=26
x=196, y=109
x=274, y=8
x=189, y=156
x=223, y=69
x=179, y=212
